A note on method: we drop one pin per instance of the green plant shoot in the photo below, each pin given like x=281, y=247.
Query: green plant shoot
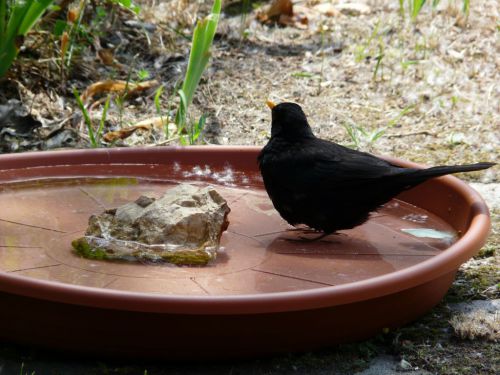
x=416, y=6
x=182, y=111
x=16, y=19
x=199, y=56
x=103, y=118
x=94, y=137
x=466, y=7
x=193, y=133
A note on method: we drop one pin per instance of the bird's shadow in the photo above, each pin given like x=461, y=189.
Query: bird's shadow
x=306, y=242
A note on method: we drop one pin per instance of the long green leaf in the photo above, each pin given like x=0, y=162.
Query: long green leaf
x=7, y=55
x=199, y=56
x=16, y=19
x=86, y=117
x=33, y=13
x=3, y=18
x=402, y=8
x=200, y=50
x=181, y=123
x=103, y=118
x=211, y=26
x=195, y=64
x=466, y=7
x=182, y=110
x=416, y=7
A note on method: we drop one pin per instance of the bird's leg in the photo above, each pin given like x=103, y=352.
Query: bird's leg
x=307, y=230
x=303, y=230
x=306, y=239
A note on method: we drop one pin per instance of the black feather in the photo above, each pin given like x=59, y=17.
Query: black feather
x=325, y=185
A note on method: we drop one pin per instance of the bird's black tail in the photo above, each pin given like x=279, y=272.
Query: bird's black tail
x=420, y=175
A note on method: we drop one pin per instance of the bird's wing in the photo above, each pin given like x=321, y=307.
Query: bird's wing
x=329, y=166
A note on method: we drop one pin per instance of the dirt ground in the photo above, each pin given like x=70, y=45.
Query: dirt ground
x=426, y=90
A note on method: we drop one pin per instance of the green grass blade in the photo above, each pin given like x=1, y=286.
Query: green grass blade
x=378, y=64
x=198, y=128
x=195, y=65
x=416, y=7
x=352, y=132
x=466, y=7
x=103, y=118
x=8, y=53
x=402, y=8
x=400, y=115
x=211, y=26
x=16, y=17
x=3, y=18
x=157, y=101
x=86, y=117
x=200, y=51
x=181, y=122
x=33, y=13
x=199, y=56
x=376, y=135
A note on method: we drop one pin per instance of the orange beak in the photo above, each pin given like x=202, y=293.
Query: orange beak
x=270, y=104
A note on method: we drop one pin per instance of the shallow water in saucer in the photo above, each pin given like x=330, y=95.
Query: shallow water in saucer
x=39, y=219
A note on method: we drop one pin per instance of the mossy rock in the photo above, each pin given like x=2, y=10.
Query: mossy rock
x=84, y=249
x=180, y=257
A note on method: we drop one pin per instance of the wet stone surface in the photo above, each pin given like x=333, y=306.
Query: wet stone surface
x=183, y=226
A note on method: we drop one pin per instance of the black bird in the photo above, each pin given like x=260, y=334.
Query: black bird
x=327, y=186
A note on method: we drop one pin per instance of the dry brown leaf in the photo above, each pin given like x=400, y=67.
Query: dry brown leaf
x=64, y=44
x=156, y=122
x=277, y=9
x=280, y=8
x=123, y=133
x=117, y=86
x=282, y=13
x=73, y=14
x=106, y=55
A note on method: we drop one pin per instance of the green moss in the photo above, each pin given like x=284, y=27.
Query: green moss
x=486, y=252
x=181, y=258
x=83, y=249
x=187, y=257
x=472, y=282
x=429, y=343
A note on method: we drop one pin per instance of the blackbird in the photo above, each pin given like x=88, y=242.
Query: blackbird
x=327, y=186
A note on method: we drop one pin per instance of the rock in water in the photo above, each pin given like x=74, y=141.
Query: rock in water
x=183, y=227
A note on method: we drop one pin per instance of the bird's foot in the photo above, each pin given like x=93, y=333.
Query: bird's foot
x=303, y=230
x=314, y=239
x=310, y=239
